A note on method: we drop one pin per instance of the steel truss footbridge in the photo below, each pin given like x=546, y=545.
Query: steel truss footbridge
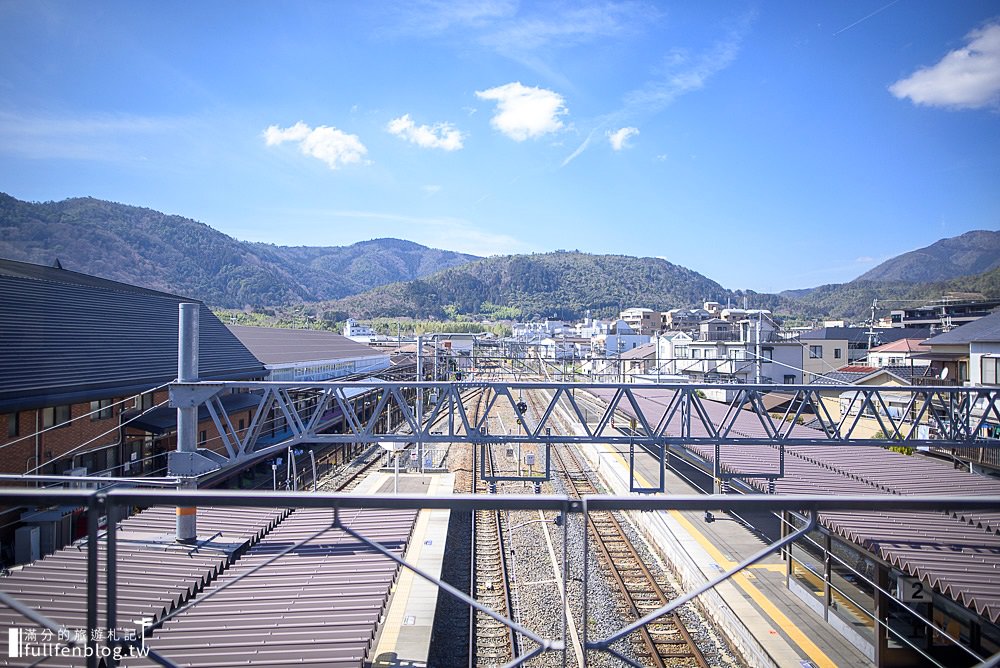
x=651, y=416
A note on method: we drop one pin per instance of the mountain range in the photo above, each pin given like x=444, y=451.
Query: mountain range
x=396, y=278
x=179, y=255
x=974, y=252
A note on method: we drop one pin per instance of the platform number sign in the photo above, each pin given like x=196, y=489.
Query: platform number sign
x=912, y=590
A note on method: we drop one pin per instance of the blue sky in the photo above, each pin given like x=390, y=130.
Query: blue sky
x=767, y=145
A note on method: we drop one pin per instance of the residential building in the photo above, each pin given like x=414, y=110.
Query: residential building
x=853, y=374
x=850, y=407
x=639, y=361
x=829, y=348
x=968, y=355
x=537, y=330
x=621, y=338
x=673, y=350
x=747, y=351
x=679, y=319
x=641, y=320
x=564, y=347
x=897, y=353
x=944, y=314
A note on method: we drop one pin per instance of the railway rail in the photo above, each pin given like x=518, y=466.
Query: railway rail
x=665, y=642
x=493, y=643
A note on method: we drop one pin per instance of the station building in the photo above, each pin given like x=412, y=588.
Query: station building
x=85, y=364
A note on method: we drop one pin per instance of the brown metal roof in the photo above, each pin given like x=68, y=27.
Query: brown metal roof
x=958, y=554
x=155, y=574
x=319, y=604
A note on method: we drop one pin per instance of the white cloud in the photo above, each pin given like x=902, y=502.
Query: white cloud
x=620, y=137
x=683, y=72
x=579, y=149
x=966, y=78
x=525, y=112
x=334, y=147
x=431, y=190
x=440, y=135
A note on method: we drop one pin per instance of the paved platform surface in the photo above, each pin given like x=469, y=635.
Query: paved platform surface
x=779, y=628
x=404, y=638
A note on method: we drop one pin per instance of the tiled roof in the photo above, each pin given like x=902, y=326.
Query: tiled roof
x=900, y=346
x=977, y=331
x=854, y=373
x=640, y=352
x=67, y=337
x=836, y=333
x=891, y=334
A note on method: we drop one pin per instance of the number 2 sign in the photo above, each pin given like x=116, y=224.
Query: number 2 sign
x=912, y=590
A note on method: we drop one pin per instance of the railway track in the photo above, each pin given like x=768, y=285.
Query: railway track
x=493, y=643
x=664, y=642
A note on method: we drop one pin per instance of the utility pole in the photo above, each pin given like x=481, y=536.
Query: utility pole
x=757, y=350
x=871, y=328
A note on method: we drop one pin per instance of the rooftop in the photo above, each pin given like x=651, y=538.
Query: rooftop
x=70, y=337
x=273, y=345
x=985, y=329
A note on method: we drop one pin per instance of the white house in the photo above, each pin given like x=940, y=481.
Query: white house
x=898, y=353
x=746, y=351
x=622, y=338
x=357, y=332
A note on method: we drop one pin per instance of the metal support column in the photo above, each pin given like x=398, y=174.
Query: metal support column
x=187, y=417
x=420, y=403
x=111, y=568
x=93, y=631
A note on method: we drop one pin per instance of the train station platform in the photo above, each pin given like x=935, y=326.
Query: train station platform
x=762, y=618
x=404, y=637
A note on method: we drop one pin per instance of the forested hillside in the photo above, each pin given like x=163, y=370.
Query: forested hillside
x=179, y=255
x=560, y=284
x=968, y=254
x=853, y=300
x=396, y=278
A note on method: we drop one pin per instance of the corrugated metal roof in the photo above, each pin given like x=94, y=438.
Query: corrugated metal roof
x=155, y=574
x=66, y=334
x=319, y=604
x=957, y=554
x=272, y=345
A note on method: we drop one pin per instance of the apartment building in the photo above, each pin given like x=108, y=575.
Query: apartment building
x=642, y=320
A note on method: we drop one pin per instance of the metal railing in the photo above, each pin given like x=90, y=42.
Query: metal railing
x=110, y=503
